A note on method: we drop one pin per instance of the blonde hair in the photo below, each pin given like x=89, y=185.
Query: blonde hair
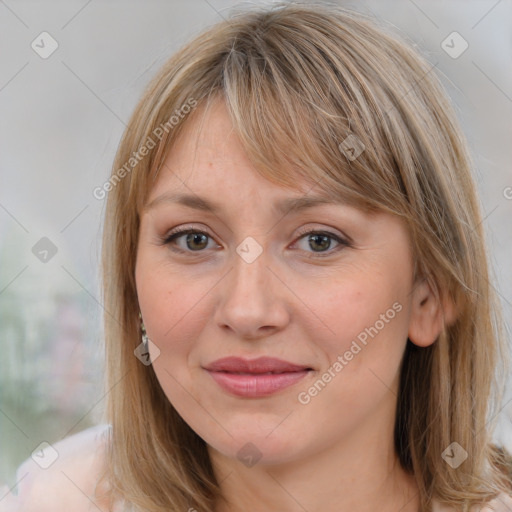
x=297, y=81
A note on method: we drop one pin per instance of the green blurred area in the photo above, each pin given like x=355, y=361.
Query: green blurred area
x=51, y=363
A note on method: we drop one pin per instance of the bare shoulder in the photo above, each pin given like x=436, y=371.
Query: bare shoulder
x=503, y=503
x=63, y=476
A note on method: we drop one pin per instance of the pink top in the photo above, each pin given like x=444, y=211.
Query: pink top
x=60, y=477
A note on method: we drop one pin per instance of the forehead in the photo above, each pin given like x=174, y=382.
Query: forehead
x=208, y=156
x=209, y=127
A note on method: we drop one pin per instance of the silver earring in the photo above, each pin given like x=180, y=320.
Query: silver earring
x=145, y=339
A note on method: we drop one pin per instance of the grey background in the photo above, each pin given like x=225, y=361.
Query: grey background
x=61, y=120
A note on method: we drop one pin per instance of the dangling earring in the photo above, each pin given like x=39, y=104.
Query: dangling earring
x=145, y=339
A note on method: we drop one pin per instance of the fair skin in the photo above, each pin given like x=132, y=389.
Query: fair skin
x=336, y=452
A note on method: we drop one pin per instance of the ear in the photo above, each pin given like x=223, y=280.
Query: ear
x=430, y=313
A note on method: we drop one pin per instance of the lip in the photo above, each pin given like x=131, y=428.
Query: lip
x=255, y=378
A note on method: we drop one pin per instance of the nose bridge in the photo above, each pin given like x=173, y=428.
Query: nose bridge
x=250, y=273
x=249, y=300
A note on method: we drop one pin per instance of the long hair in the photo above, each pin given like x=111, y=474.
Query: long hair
x=298, y=81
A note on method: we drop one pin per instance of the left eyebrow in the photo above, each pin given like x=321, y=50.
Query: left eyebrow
x=294, y=204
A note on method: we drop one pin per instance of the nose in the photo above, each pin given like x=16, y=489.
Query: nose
x=253, y=301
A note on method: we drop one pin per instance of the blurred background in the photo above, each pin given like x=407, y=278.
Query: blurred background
x=71, y=74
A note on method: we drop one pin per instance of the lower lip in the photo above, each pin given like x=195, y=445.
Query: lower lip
x=256, y=385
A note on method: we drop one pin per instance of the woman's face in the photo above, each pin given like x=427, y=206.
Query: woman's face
x=333, y=307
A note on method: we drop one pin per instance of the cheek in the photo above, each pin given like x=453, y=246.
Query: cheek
x=362, y=335
x=174, y=317
x=358, y=307
x=168, y=302
x=362, y=349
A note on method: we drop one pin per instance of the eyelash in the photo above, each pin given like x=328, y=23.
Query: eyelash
x=177, y=233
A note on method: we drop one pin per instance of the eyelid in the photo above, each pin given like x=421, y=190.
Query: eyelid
x=183, y=230
x=342, y=236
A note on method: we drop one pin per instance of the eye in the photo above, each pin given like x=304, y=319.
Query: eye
x=321, y=241
x=193, y=240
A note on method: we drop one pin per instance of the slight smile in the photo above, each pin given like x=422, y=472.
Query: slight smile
x=257, y=377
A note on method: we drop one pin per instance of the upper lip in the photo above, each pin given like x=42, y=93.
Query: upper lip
x=259, y=365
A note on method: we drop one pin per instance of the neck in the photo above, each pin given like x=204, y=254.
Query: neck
x=314, y=489
x=361, y=472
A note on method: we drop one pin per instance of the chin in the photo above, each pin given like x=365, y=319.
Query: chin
x=251, y=446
